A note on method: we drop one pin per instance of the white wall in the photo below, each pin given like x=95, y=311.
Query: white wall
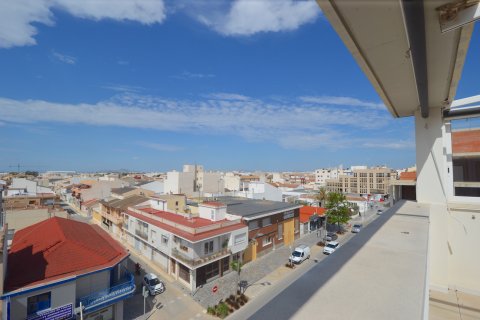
x=60, y=295
x=155, y=186
x=206, y=212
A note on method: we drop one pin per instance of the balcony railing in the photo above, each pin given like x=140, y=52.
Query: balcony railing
x=123, y=289
x=199, y=261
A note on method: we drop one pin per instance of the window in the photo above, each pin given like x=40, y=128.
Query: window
x=252, y=225
x=153, y=236
x=267, y=241
x=465, y=134
x=297, y=226
x=208, y=247
x=38, y=303
x=240, y=238
x=280, y=231
x=141, y=229
x=266, y=221
x=164, y=240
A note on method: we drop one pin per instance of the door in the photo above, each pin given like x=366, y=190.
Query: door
x=289, y=232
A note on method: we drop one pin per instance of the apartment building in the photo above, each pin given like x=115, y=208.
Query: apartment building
x=193, y=180
x=111, y=216
x=363, y=180
x=194, y=250
x=61, y=269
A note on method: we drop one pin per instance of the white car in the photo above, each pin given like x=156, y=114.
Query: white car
x=153, y=284
x=330, y=247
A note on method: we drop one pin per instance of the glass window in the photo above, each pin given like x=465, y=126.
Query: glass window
x=38, y=303
x=266, y=221
x=208, y=247
x=466, y=156
x=164, y=240
x=280, y=231
x=267, y=241
x=253, y=225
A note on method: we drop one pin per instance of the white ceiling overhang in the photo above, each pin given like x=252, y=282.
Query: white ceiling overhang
x=400, y=47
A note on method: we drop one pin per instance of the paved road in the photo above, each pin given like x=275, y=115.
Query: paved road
x=174, y=303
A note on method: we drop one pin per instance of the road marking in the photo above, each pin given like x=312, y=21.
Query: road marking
x=178, y=298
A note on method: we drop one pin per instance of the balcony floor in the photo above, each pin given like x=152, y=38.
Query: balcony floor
x=453, y=305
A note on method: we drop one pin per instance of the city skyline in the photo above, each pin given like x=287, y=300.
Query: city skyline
x=204, y=83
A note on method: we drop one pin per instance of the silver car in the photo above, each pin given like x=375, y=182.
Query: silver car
x=356, y=228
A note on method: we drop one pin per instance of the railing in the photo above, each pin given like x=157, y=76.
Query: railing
x=198, y=261
x=123, y=289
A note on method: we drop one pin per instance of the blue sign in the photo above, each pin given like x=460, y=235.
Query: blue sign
x=60, y=313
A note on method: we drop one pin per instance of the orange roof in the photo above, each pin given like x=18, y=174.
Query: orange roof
x=194, y=223
x=58, y=248
x=306, y=212
x=466, y=141
x=408, y=175
x=214, y=204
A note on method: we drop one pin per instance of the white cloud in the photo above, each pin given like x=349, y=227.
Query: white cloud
x=190, y=75
x=290, y=124
x=389, y=144
x=123, y=88
x=160, y=146
x=247, y=17
x=64, y=58
x=342, y=101
x=17, y=17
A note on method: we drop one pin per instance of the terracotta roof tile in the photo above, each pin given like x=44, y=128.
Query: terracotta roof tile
x=58, y=248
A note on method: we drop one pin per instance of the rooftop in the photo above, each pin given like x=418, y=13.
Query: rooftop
x=307, y=211
x=123, y=190
x=59, y=248
x=390, y=252
x=193, y=230
x=123, y=204
x=250, y=208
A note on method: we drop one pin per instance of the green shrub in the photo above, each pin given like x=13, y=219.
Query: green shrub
x=211, y=310
x=222, y=310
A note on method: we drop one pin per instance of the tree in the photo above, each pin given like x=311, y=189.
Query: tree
x=338, y=209
x=321, y=196
x=31, y=173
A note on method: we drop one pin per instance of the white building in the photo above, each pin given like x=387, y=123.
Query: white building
x=194, y=250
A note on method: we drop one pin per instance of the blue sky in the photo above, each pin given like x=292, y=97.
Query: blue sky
x=150, y=85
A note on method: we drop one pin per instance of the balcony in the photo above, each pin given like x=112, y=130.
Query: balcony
x=141, y=234
x=124, y=288
x=200, y=261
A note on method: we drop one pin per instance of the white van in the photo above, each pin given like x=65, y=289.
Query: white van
x=301, y=253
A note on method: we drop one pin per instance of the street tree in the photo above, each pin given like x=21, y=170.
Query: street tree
x=321, y=196
x=338, y=209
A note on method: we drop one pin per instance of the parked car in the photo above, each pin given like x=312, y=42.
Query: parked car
x=379, y=211
x=331, y=236
x=300, y=254
x=330, y=247
x=356, y=228
x=70, y=211
x=153, y=284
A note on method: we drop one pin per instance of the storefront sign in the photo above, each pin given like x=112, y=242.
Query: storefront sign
x=288, y=214
x=60, y=313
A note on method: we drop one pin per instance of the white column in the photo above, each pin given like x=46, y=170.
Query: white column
x=432, y=190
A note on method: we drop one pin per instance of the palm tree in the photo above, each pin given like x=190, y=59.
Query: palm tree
x=321, y=196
